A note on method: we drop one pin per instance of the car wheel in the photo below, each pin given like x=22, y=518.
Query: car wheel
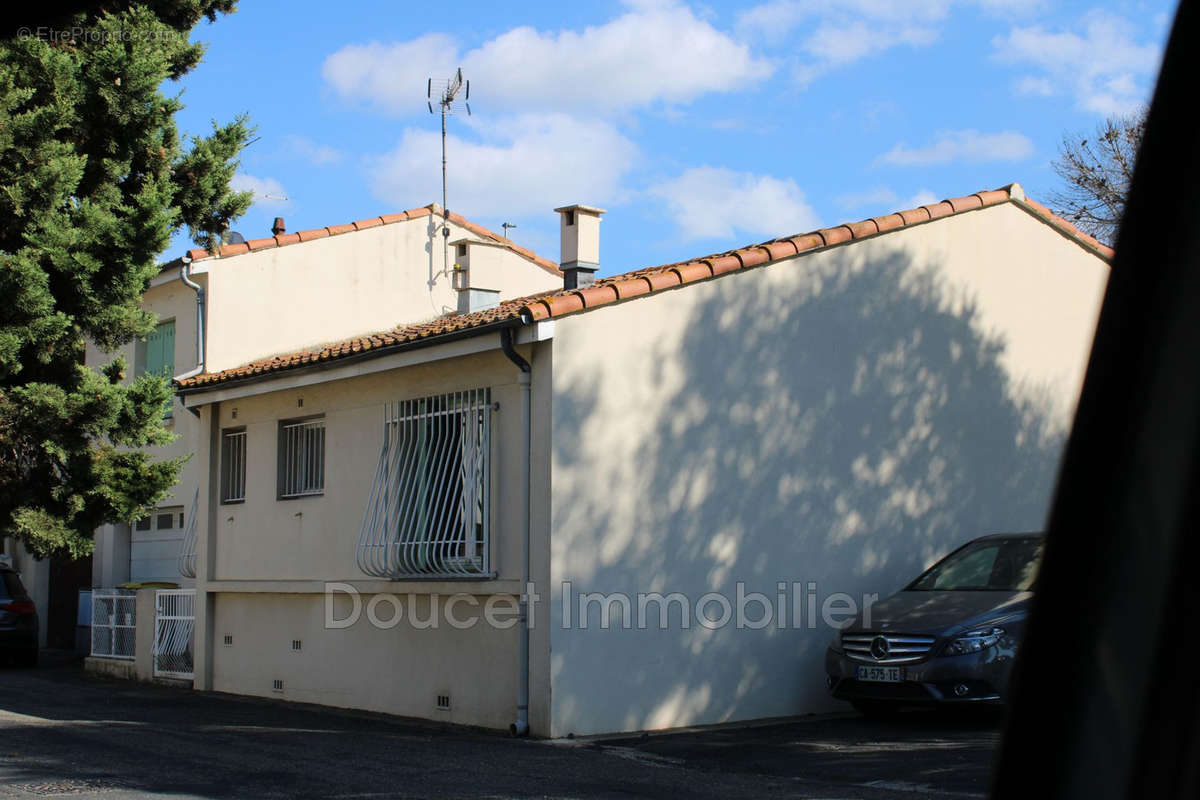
x=875, y=710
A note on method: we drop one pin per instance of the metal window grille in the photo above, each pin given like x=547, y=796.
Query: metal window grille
x=428, y=511
x=174, y=623
x=187, y=548
x=302, y=458
x=114, y=623
x=233, y=466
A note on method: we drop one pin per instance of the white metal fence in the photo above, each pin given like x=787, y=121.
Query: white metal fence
x=174, y=623
x=114, y=623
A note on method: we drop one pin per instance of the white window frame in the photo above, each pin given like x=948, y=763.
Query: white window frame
x=429, y=511
x=301, y=458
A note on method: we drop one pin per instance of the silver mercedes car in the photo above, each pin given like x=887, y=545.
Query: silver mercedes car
x=949, y=637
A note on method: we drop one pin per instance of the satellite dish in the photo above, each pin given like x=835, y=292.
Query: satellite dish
x=235, y=238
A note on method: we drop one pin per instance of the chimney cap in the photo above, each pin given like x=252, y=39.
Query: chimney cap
x=582, y=209
x=278, y=227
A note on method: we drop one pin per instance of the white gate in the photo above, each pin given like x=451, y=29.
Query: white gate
x=174, y=621
x=114, y=623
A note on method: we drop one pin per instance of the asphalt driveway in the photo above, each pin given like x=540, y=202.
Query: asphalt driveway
x=65, y=734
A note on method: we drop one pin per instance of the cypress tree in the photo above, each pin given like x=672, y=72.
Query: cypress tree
x=94, y=181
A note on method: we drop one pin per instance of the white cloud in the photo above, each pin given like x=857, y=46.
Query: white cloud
x=714, y=202
x=319, y=155
x=837, y=34
x=879, y=196
x=922, y=198
x=882, y=198
x=844, y=32
x=524, y=166
x=653, y=53
x=268, y=192
x=969, y=146
x=1102, y=66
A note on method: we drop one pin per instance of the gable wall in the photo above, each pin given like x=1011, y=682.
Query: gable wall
x=828, y=424
x=285, y=299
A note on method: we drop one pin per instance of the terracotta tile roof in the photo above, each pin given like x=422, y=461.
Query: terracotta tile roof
x=403, y=335
x=253, y=245
x=639, y=282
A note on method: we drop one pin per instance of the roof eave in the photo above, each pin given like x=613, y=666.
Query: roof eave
x=353, y=358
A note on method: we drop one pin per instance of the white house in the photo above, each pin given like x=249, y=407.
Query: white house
x=272, y=295
x=777, y=431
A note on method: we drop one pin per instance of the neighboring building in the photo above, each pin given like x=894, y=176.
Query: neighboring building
x=272, y=295
x=814, y=415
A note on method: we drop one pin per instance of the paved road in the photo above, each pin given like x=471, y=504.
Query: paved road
x=64, y=734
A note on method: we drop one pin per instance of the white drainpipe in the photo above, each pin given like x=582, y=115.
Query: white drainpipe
x=521, y=726
x=199, y=290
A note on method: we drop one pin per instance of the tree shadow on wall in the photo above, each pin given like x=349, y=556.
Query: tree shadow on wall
x=845, y=432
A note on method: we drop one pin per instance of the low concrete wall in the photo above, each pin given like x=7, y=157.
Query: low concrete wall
x=111, y=667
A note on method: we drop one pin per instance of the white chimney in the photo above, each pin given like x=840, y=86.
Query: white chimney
x=474, y=269
x=580, y=235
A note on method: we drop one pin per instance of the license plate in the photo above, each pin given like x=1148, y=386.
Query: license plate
x=880, y=674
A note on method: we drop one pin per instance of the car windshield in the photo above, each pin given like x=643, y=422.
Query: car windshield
x=989, y=565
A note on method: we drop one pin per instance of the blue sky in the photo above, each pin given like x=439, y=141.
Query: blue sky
x=699, y=127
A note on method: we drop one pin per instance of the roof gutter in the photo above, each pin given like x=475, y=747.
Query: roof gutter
x=521, y=726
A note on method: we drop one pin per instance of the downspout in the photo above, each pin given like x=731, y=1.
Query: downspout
x=521, y=726
x=199, y=290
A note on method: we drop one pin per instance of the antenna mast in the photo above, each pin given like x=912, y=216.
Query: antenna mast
x=449, y=94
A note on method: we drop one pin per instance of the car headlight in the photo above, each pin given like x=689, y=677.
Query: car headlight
x=974, y=641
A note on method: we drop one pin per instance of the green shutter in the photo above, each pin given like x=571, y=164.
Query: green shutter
x=160, y=354
x=160, y=350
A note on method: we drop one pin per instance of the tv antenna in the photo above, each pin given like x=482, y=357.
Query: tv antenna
x=448, y=91
x=506, y=226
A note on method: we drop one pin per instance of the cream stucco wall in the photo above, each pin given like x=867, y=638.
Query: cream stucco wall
x=284, y=299
x=288, y=298
x=265, y=562
x=827, y=424
x=313, y=538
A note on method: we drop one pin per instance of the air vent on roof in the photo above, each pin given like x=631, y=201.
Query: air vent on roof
x=277, y=685
x=443, y=702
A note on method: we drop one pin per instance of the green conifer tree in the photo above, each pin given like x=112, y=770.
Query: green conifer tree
x=93, y=183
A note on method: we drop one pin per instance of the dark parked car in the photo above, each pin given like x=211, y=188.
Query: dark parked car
x=949, y=637
x=18, y=620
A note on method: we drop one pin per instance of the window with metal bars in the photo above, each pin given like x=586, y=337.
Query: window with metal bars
x=233, y=465
x=301, y=458
x=428, y=512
